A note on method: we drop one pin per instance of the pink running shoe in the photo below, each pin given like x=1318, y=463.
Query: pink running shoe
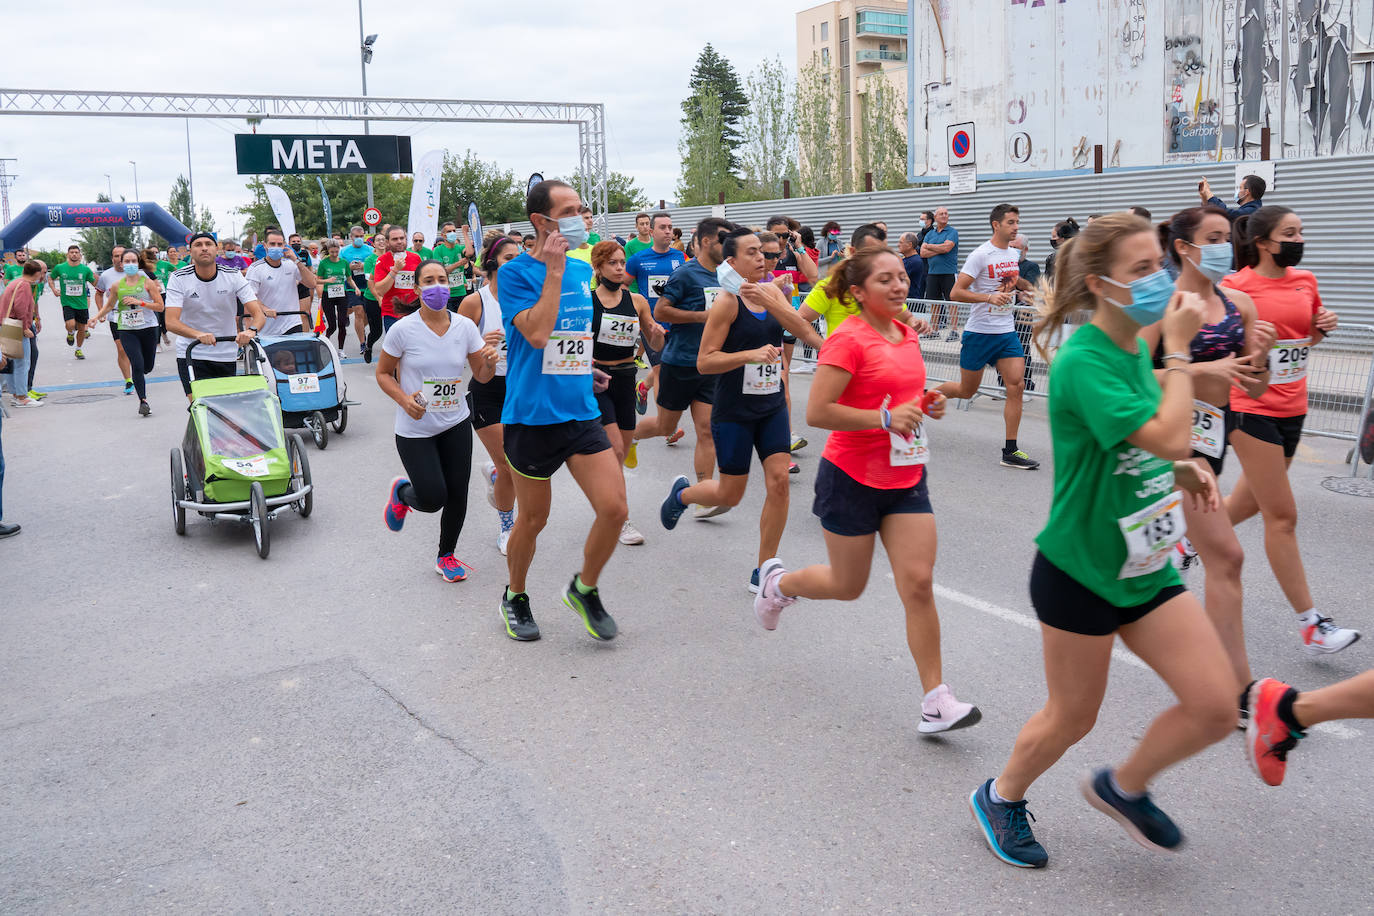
x=941, y=712
x=769, y=602
x=451, y=569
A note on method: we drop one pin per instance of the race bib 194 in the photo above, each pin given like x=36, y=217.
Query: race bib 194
x=763, y=378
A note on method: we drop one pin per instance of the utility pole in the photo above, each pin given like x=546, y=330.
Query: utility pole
x=365, y=56
x=190, y=177
x=6, y=179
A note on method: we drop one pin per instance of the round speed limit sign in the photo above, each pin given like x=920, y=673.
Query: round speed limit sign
x=372, y=216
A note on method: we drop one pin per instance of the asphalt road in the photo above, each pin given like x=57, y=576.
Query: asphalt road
x=336, y=729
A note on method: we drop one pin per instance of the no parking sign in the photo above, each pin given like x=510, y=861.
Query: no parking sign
x=961, y=148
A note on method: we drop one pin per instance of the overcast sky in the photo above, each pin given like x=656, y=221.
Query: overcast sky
x=635, y=58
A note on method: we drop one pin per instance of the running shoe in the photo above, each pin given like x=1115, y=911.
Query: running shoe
x=754, y=582
x=594, y=617
x=701, y=512
x=953, y=336
x=71, y=338
x=79, y=354
x=367, y=354
x=798, y=443
x=640, y=363
x=629, y=534
x=632, y=456
x=1141, y=819
x=931, y=335
x=672, y=507
x=143, y=409
x=1268, y=739
x=515, y=613
x=1006, y=827
x=641, y=397
x=769, y=602
x=793, y=468
x=1185, y=556
x=128, y=386
x=1020, y=460
x=37, y=395
x=677, y=434
x=1325, y=638
x=30, y=402
x=941, y=712
x=451, y=569
x=396, y=511
x=489, y=475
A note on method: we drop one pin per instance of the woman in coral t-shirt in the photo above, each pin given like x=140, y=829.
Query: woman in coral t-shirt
x=869, y=388
x=1265, y=431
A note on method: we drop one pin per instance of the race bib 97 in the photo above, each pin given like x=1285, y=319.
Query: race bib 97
x=305, y=383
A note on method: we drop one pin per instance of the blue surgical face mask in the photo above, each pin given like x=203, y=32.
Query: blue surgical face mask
x=729, y=279
x=1149, y=297
x=274, y=254
x=1215, y=260
x=131, y=270
x=571, y=228
x=451, y=236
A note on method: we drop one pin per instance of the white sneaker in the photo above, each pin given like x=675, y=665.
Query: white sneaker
x=941, y=712
x=1184, y=556
x=700, y=512
x=502, y=540
x=769, y=602
x=489, y=475
x=1324, y=637
x=630, y=535
x=26, y=402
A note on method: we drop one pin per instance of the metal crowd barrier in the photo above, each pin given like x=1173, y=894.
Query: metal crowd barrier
x=1340, y=375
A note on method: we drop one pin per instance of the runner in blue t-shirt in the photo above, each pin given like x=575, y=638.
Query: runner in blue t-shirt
x=551, y=417
x=650, y=269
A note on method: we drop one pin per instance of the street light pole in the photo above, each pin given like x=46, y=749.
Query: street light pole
x=190, y=176
x=362, y=64
x=138, y=236
x=114, y=239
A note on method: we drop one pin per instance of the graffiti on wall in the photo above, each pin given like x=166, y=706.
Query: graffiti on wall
x=1193, y=79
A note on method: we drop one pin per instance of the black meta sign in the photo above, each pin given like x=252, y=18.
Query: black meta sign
x=320, y=154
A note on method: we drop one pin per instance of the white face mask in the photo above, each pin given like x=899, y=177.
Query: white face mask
x=729, y=278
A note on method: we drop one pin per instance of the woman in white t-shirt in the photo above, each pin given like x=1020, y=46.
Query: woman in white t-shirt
x=421, y=368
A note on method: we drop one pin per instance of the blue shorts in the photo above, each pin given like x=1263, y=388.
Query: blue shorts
x=852, y=509
x=978, y=351
x=736, y=439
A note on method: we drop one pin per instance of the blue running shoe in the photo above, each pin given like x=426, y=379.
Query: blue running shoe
x=754, y=582
x=1142, y=821
x=451, y=568
x=396, y=511
x=672, y=506
x=1006, y=828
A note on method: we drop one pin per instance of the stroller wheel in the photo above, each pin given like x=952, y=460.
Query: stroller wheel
x=257, y=515
x=319, y=430
x=178, y=492
x=300, y=475
x=342, y=422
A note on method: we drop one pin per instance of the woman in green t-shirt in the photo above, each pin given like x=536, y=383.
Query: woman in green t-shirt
x=1121, y=453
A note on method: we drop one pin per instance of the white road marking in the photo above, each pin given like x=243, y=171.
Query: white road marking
x=1119, y=652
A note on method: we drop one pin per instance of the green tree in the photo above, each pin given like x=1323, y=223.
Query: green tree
x=622, y=194
x=498, y=194
x=705, y=160
x=770, y=131
x=97, y=243
x=882, y=136
x=347, y=199
x=179, y=205
x=715, y=72
x=819, y=145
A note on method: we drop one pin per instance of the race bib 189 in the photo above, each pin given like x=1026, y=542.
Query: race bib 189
x=1288, y=360
x=1151, y=534
x=568, y=353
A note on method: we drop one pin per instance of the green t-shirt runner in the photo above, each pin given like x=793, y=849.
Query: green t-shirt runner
x=72, y=283
x=15, y=270
x=447, y=254
x=1115, y=506
x=334, y=274
x=634, y=246
x=162, y=270
x=370, y=266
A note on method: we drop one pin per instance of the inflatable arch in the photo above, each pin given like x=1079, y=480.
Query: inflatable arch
x=34, y=218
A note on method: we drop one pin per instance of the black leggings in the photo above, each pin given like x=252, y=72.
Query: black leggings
x=439, y=467
x=373, y=310
x=335, y=318
x=140, y=347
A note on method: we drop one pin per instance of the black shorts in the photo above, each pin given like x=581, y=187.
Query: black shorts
x=737, y=440
x=1060, y=601
x=304, y=292
x=679, y=386
x=205, y=368
x=617, y=402
x=939, y=286
x=538, y=452
x=486, y=401
x=1284, y=431
x=81, y=316
x=852, y=509
x=114, y=331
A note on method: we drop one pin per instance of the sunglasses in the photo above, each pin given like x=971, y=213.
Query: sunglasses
x=772, y=255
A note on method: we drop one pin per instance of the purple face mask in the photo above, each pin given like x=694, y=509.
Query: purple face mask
x=436, y=297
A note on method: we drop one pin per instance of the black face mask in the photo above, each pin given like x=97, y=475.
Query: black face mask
x=611, y=284
x=1054, y=243
x=1289, y=254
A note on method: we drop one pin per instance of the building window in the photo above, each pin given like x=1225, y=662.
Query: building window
x=825, y=31
x=813, y=34
x=825, y=57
